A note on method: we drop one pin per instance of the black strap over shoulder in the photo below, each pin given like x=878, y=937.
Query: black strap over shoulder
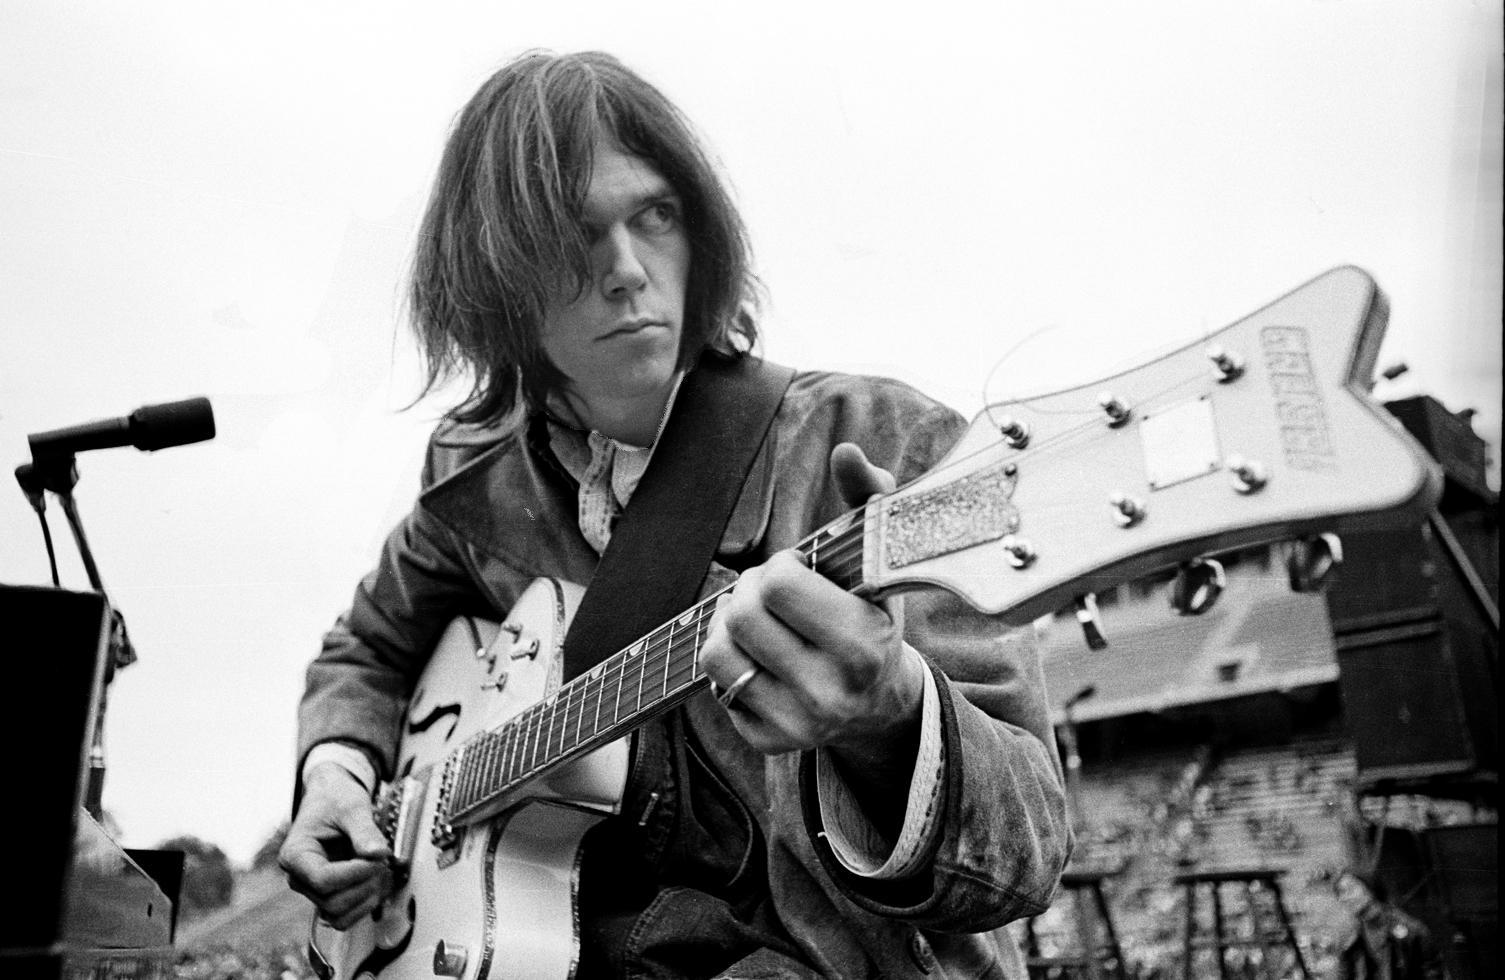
x=664, y=541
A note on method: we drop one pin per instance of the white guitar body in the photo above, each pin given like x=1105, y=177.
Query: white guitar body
x=501, y=901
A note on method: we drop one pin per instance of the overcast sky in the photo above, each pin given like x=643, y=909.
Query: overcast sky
x=220, y=199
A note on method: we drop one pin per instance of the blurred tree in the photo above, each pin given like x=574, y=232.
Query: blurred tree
x=208, y=882
x=266, y=854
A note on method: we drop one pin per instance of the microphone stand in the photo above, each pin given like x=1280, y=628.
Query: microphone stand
x=1073, y=755
x=59, y=473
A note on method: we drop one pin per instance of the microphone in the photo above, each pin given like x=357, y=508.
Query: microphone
x=149, y=427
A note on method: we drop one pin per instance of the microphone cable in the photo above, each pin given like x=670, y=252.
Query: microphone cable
x=31, y=485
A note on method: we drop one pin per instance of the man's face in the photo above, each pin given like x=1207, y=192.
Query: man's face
x=617, y=342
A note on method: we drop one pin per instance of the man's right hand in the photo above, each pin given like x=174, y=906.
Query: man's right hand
x=334, y=854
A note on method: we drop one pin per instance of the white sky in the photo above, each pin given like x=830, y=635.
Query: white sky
x=219, y=199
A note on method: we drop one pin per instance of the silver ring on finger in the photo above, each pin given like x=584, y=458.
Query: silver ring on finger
x=728, y=697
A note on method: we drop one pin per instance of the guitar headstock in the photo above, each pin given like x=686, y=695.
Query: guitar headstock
x=1263, y=431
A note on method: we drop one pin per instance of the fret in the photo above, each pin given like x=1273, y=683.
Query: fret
x=467, y=775
x=600, y=672
x=642, y=662
x=581, y=727
x=559, y=725
x=578, y=703
x=688, y=626
x=702, y=630
x=616, y=711
x=509, y=748
x=530, y=747
x=487, y=775
x=668, y=658
x=555, y=727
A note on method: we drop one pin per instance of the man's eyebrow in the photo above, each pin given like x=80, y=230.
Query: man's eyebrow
x=661, y=194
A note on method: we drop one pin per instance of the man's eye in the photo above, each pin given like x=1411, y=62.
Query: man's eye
x=660, y=216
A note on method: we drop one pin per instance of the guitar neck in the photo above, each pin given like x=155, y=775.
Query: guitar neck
x=652, y=675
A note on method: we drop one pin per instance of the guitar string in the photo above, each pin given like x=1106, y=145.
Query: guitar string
x=566, y=727
x=843, y=557
x=570, y=732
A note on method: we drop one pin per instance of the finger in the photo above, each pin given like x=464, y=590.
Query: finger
x=856, y=478
x=813, y=620
x=750, y=633
x=766, y=736
x=350, y=906
x=366, y=840
x=335, y=877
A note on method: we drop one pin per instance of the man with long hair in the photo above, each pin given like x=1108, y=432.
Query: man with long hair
x=869, y=788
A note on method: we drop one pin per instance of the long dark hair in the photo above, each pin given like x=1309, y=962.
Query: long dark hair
x=502, y=235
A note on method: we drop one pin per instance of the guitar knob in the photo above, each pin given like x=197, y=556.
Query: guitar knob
x=449, y=959
x=1020, y=552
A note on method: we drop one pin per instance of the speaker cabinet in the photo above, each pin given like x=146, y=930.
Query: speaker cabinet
x=1417, y=702
x=82, y=906
x=55, y=662
x=1464, y=861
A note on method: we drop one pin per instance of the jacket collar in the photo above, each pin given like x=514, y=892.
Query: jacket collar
x=514, y=501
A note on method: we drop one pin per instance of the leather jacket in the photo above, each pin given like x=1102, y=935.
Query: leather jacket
x=497, y=511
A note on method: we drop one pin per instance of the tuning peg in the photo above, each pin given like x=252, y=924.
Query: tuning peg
x=513, y=627
x=1118, y=411
x=1092, y=623
x=1021, y=553
x=1197, y=585
x=521, y=649
x=1015, y=433
x=1228, y=366
x=1310, y=561
x=1127, y=510
x=496, y=683
x=1248, y=475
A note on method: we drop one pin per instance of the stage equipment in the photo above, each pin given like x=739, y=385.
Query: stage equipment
x=1416, y=625
x=1092, y=951
x=149, y=427
x=90, y=907
x=1249, y=932
x=83, y=900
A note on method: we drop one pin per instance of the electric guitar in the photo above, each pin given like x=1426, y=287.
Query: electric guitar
x=1263, y=433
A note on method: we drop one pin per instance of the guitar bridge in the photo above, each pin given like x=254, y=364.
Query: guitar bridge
x=397, y=816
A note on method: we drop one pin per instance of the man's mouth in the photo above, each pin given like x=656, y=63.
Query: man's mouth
x=631, y=326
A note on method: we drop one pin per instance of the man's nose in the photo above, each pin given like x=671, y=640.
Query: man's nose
x=623, y=270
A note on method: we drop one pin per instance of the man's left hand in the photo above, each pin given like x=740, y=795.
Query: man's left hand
x=833, y=669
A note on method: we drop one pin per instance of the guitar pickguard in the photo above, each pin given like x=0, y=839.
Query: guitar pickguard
x=503, y=895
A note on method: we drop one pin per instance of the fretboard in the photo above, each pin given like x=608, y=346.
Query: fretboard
x=651, y=675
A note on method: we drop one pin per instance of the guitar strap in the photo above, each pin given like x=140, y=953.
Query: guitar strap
x=665, y=539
